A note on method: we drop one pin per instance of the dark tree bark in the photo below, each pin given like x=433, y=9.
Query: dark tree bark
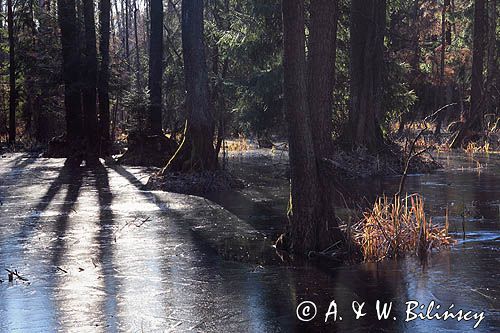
x=322, y=53
x=475, y=113
x=492, y=56
x=442, y=87
x=366, y=59
x=71, y=68
x=103, y=79
x=12, y=74
x=474, y=116
x=197, y=151
x=155, y=66
x=311, y=228
x=89, y=93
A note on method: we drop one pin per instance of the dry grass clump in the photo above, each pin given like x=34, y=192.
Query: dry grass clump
x=239, y=144
x=393, y=228
x=473, y=147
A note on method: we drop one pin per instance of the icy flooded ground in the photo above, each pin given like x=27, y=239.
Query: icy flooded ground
x=102, y=255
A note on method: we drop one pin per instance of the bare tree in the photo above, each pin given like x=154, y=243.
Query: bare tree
x=89, y=92
x=197, y=151
x=474, y=116
x=312, y=227
x=103, y=79
x=367, y=30
x=156, y=66
x=12, y=74
x=71, y=76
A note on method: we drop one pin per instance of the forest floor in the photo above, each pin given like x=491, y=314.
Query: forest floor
x=355, y=164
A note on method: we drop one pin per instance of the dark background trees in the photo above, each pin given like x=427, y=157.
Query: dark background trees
x=182, y=76
x=425, y=60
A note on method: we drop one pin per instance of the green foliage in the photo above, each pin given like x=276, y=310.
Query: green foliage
x=398, y=97
x=136, y=102
x=259, y=107
x=245, y=42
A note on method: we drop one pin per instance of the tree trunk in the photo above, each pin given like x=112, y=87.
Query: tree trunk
x=71, y=68
x=492, y=57
x=197, y=151
x=137, y=48
x=322, y=52
x=442, y=88
x=155, y=66
x=479, y=38
x=310, y=228
x=12, y=75
x=474, y=116
x=366, y=56
x=90, y=85
x=103, y=80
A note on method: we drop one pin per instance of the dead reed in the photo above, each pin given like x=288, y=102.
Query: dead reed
x=237, y=145
x=395, y=227
x=474, y=147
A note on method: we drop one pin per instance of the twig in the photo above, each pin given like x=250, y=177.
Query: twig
x=480, y=293
x=144, y=221
x=171, y=329
x=408, y=160
x=15, y=273
x=411, y=156
x=62, y=270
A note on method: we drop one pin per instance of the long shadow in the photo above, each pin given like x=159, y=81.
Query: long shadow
x=259, y=215
x=20, y=162
x=70, y=177
x=73, y=179
x=104, y=239
x=199, y=242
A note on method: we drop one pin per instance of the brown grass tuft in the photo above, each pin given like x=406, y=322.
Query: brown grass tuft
x=393, y=228
x=238, y=145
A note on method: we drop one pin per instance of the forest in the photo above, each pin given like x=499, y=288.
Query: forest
x=266, y=150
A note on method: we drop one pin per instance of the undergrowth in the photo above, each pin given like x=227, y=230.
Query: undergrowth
x=395, y=227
